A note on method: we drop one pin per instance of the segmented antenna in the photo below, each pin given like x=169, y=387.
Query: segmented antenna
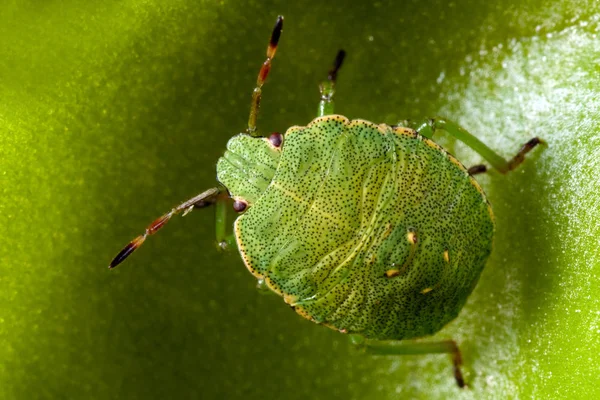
x=204, y=199
x=263, y=73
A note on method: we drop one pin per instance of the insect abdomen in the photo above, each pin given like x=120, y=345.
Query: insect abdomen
x=376, y=231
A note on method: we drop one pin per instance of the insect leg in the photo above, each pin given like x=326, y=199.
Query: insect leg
x=429, y=127
x=225, y=241
x=262, y=75
x=327, y=88
x=477, y=169
x=394, y=347
x=204, y=199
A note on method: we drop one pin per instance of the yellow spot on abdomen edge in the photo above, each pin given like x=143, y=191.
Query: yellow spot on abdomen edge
x=390, y=273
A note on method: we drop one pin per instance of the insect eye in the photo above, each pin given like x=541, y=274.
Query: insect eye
x=239, y=205
x=276, y=139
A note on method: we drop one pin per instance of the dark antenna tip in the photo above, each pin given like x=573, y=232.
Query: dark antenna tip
x=127, y=250
x=276, y=32
x=337, y=64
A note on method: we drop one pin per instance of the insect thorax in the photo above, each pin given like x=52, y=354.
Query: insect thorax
x=248, y=166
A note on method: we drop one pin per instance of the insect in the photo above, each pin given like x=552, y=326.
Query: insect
x=370, y=229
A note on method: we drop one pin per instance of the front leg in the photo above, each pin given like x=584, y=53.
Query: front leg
x=327, y=88
x=225, y=241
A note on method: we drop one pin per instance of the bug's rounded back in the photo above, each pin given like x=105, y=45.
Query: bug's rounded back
x=369, y=229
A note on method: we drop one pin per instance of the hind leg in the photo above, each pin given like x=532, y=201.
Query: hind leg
x=396, y=347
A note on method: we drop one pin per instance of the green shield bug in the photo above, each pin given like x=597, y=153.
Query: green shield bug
x=370, y=229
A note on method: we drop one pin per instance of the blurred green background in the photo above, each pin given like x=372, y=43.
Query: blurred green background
x=111, y=112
